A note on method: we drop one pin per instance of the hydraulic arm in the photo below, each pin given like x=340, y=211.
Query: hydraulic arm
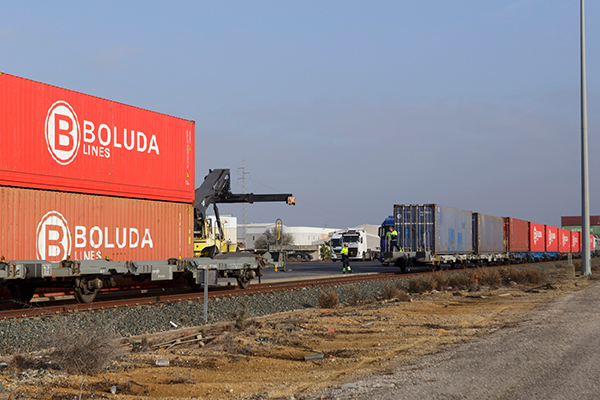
x=216, y=189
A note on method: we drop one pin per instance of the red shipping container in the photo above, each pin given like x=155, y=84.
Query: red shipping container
x=516, y=235
x=58, y=139
x=576, y=220
x=575, y=241
x=537, y=237
x=564, y=242
x=44, y=225
x=551, y=238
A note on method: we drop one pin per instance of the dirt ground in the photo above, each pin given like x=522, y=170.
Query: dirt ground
x=285, y=355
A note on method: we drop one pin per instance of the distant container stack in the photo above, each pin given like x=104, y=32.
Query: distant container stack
x=87, y=178
x=573, y=223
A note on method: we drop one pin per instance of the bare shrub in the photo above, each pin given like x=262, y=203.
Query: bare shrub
x=23, y=361
x=402, y=296
x=415, y=285
x=241, y=317
x=422, y=284
x=390, y=292
x=461, y=280
x=489, y=277
x=534, y=276
x=522, y=275
x=84, y=351
x=594, y=277
x=328, y=300
x=439, y=281
x=354, y=297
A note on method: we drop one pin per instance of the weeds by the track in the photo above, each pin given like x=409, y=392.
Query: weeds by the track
x=465, y=280
x=394, y=293
x=83, y=350
x=328, y=300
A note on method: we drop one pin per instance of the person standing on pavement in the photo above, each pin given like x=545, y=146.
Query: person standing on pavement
x=345, y=259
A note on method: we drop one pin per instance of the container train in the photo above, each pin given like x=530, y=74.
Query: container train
x=432, y=235
x=93, y=192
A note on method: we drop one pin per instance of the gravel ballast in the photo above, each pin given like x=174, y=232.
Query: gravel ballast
x=32, y=333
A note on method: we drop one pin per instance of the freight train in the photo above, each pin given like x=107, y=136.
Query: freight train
x=95, y=192
x=432, y=235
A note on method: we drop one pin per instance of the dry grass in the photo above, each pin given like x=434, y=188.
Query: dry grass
x=354, y=296
x=468, y=279
x=461, y=280
x=489, y=277
x=595, y=277
x=394, y=293
x=84, y=351
x=531, y=276
x=328, y=300
x=241, y=317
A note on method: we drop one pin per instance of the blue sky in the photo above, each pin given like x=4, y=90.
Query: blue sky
x=351, y=106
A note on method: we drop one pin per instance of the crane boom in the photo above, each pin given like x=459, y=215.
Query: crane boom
x=216, y=189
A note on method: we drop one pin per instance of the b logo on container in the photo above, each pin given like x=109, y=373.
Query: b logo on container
x=63, y=135
x=53, y=238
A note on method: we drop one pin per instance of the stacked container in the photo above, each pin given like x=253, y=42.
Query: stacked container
x=87, y=178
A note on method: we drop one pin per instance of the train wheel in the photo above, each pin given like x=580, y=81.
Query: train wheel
x=243, y=282
x=21, y=293
x=195, y=286
x=86, y=290
x=85, y=295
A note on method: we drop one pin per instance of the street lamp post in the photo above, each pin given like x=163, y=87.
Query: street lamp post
x=585, y=196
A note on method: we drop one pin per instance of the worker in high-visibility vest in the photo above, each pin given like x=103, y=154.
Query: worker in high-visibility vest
x=345, y=259
x=391, y=237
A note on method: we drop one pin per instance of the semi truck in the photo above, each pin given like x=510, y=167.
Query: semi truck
x=361, y=246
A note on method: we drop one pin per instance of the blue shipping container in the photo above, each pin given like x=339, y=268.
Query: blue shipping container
x=488, y=234
x=433, y=228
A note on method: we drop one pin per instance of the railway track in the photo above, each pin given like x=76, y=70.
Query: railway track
x=111, y=300
x=107, y=301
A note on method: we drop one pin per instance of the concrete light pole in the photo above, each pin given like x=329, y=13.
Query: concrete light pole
x=585, y=194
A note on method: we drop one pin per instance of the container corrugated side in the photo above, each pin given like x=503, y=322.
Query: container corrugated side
x=430, y=227
x=453, y=231
x=575, y=241
x=516, y=235
x=551, y=238
x=58, y=139
x=415, y=226
x=564, y=244
x=488, y=233
x=45, y=225
x=537, y=237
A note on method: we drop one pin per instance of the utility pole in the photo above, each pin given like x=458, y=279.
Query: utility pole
x=244, y=205
x=585, y=194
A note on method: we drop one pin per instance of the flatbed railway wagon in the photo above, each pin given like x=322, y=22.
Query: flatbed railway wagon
x=432, y=235
x=94, y=191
